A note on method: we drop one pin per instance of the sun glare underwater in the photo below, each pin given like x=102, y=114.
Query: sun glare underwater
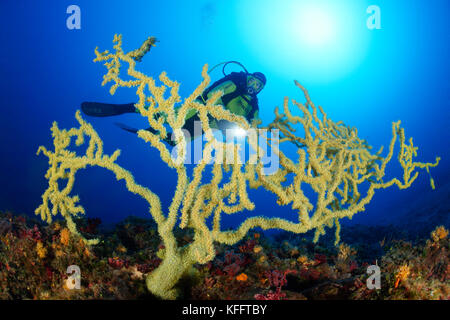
x=326, y=40
x=328, y=82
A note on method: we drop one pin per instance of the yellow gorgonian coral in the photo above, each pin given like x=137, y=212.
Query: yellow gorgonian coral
x=439, y=233
x=345, y=251
x=257, y=249
x=302, y=259
x=41, y=250
x=331, y=160
x=402, y=274
x=64, y=236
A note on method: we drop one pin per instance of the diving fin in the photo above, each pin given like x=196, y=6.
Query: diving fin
x=133, y=130
x=126, y=128
x=150, y=129
x=98, y=109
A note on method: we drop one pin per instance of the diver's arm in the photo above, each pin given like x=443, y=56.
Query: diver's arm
x=254, y=113
x=255, y=116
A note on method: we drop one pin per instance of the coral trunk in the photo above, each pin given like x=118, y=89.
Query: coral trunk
x=161, y=282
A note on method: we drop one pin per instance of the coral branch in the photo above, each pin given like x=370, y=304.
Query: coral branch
x=332, y=160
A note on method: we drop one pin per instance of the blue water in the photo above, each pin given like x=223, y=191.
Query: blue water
x=367, y=78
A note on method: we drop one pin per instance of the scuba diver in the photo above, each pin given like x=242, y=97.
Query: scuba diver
x=240, y=97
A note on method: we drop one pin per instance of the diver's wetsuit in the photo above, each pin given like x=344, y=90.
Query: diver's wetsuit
x=236, y=99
